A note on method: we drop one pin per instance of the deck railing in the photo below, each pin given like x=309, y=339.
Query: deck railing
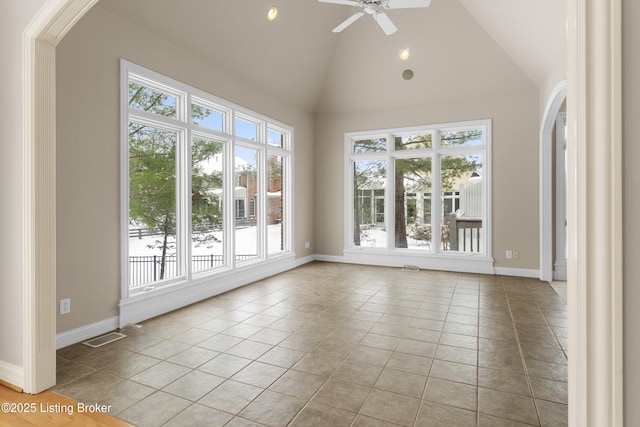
x=144, y=270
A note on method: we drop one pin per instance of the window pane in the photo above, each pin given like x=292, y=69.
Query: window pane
x=152, y=205
x=206, y=204
x=413, y=215
x=462, y=202
x=275, y=205
x=461, y=139
x=245, y=129
x=207, y=117
x=413, y=142
x=246, y=226
x=369, y=203
x=370, y=145
x=275, y=138
x=151, y=100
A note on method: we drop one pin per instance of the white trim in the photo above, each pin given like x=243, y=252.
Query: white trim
x=560, y=263
x=459, y=264
x=39, y=207
x=435, y=152
x=556, y=98
x=184, y=128
x=50, y=24
x=145, y=306
x=560, y=270
x=595, y=279
x=83, y=333
x=12, y=374
x=305, y=260
x=517, y=272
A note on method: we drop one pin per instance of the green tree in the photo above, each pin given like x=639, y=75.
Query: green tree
x=417, y=172
x=153, y=172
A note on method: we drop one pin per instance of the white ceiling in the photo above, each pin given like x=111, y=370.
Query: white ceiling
x=531, y=32
x=292, y=57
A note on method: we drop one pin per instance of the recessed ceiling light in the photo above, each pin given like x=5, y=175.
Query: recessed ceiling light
x=407, y=74
x=272, y=13
x=404, y=53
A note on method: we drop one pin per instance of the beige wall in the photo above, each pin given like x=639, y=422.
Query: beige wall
x=468, y=78
x=88, y=82
x=13, y=21
x=515, y=168
x=556, y=74
x=631, y=201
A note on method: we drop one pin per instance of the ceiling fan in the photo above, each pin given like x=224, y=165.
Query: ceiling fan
x=376, y=8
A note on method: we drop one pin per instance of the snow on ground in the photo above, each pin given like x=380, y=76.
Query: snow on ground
x=246, y=243
x=377, y=238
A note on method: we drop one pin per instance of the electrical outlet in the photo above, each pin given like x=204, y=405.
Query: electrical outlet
x=65, y=306
x=516, y=254
x=509, y=254
x=307, y=245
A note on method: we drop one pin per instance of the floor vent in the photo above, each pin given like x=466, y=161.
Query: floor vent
x=104, y=339
x=412, y=268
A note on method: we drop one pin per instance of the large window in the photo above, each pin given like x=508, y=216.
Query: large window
x=422, y=190
x=205, y=184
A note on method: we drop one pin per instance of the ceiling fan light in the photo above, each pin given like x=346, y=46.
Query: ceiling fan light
x=404, y=54
x=272, y=13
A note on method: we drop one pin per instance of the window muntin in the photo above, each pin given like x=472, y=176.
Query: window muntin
x=449, y=161
x=196, y=143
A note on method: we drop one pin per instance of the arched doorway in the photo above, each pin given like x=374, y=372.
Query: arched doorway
x=556, y=99
x=44, y=32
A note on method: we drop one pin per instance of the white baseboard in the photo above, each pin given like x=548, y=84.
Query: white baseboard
x=305, y=260
x=83, y=333
x=560, y=270
x=482, y=266
x=12, y=374
x=455, y=263
x=518, y=272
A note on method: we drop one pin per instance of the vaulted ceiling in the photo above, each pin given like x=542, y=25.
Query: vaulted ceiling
x=296, y=56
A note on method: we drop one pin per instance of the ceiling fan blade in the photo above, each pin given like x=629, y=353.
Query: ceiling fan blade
x=344, y=2
x=406, y=4
x=350, y=20
x=385, y=23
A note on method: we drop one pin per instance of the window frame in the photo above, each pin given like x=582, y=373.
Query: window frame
x=186, y=130
x=389, y=254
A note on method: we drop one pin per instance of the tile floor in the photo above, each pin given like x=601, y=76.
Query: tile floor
x=340, y=345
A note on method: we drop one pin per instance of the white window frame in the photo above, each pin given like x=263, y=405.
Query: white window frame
x=434, y=258
x=182, y=124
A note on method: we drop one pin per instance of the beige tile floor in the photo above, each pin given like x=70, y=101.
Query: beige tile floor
x=340, y=345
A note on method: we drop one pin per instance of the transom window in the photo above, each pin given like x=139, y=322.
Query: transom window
x=419, y=190
x=206, y=184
